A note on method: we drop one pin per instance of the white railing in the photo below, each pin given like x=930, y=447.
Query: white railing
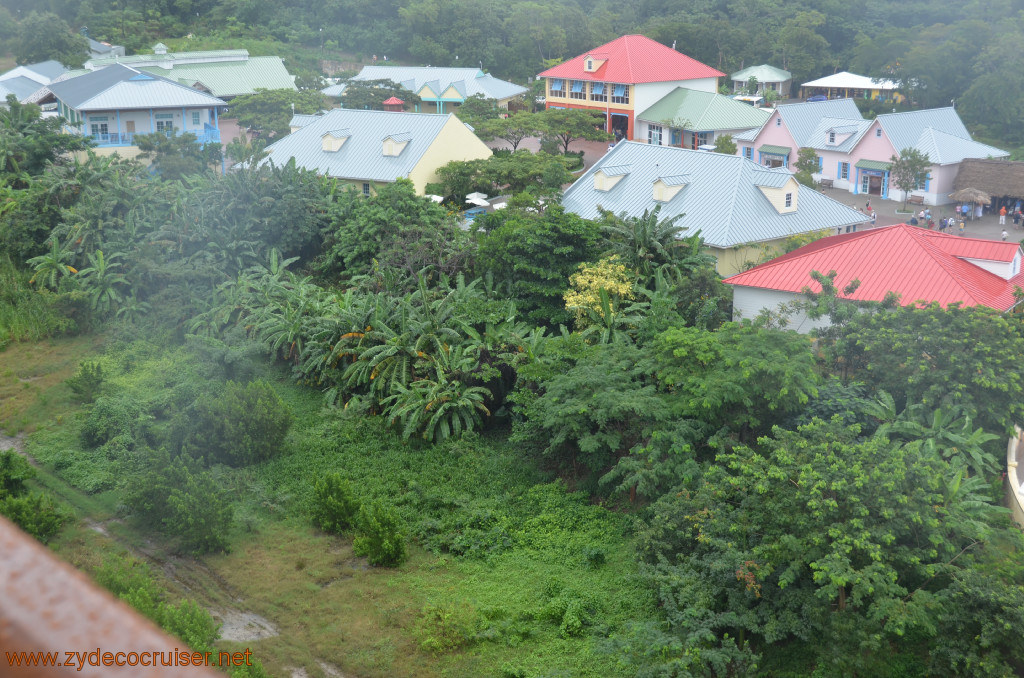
x=1015, y=476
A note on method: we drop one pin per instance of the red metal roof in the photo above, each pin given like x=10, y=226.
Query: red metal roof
x=918, y=264
x=393, y=101
x=634, y=59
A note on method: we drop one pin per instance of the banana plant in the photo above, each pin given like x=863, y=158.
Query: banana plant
x=53, y=266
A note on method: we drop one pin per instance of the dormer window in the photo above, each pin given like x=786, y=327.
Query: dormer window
x=606, y=178
x=590, y=65
x=332, y=141
x=831, y=137
x=878, y=132
x=394, y=144
x=789, y=200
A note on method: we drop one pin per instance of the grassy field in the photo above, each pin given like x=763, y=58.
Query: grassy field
x=508, y=575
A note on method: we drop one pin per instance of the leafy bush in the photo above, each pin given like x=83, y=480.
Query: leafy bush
x=36, y=513
x=14, y=471
x=245, y=424
x=111, y=417
x=334, y=506
x=88, y=382
x=446, y=627
x=181, y=499
x=381, y=537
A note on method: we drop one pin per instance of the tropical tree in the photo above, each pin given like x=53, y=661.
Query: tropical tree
x=52, y=267
x=909, y=170
x=101, y=281
x=571, y=124
x=270, y=110
x=512, y=129
x=371, y=95
x=724, y=144
x=43, y=36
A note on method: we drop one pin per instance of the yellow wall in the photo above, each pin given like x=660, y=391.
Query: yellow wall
x=567, y=101
x=733, y=260
x=126, y=152
x=453, y=142
x=777, y=196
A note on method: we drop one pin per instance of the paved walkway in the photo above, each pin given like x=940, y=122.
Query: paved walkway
x=891, y=212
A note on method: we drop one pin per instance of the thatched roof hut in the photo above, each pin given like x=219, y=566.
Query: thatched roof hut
x=995, y=177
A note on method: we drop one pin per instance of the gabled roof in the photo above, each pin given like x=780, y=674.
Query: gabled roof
x=634, y=59
x=918, y=264
x=303, y=119
x=467, y=81
x=704, y=111
x=20, y=87
x=763, y=73
x=723, y=198
x=362, y=156
x=937, y=132
x=43, y=72
x=818, y=138
x=803, y=119
x=847, y=80
x=229, y=78
x=120, y=87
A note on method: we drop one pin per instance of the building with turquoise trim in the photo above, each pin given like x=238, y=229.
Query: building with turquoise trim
x=442, y=90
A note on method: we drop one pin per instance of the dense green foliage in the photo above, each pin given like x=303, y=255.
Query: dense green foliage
x=269, y=110
x=334, y=507
x=34, y=512
x=381, y=535
x=243, y=424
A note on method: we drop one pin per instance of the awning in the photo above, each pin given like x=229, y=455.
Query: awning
x=877, y=165
x=774, y=150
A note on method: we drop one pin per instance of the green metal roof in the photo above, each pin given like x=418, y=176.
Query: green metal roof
x=775, y=150
x=874, y=165
x=704, y=112
x=230, y=78
x=763, y=73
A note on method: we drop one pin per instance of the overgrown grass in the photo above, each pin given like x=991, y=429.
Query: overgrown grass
x=26, y=313
x=509, y=574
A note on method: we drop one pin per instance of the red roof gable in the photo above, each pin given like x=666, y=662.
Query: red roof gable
x=918, y=264
x=634, y=59
x=393, y=101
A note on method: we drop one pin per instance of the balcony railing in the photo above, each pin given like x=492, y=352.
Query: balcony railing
x=208, y=135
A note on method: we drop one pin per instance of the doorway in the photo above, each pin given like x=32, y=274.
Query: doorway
x=619, y=125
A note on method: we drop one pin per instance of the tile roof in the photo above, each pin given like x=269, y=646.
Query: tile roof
x=361, y=156
x=121, y=87
x=763, y=73
x=229, y=78
x=847, y=80
x=467, y=81
x=918, y=264
x=704, y=111
x=634, y=59
x=722, y=199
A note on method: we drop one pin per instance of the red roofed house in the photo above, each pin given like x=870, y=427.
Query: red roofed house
x=621, y=77
x=916, y=263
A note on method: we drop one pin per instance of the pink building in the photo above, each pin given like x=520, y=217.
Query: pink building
x=856, y=154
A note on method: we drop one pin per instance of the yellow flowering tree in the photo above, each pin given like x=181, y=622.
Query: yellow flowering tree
x=584, y=294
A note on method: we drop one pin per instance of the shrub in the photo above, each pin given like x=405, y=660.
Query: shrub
x=443, y=628
x=111, y=417
x=181, y=499
x=88, y=382
x=381, y=538
x=35, y=513
x=245, y=424
x=334, y=506
x=14, y=471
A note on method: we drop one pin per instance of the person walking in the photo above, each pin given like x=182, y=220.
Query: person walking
x=1016, y=218
x=962, y=226
x=1005, y=234
x=1002, y=216
x=874, y=218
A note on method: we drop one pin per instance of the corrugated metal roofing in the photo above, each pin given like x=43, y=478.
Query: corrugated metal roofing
x=763, y=73
x=919, y=264
x=21, y=87
x=847, y=80
x=140, y=60
x=722, y=200
x=634, y=59
x=361, y=157
x=334, y=90
x=230, y=78
x=774, y=150
x=818, y=139
x=302, y=119
x=802, y=119
x=120, y=87
x=873, y=165
x=704, y=111
x=467, y=81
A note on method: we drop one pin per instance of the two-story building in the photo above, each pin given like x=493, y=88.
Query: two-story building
x=769, y=79
x=627, y=75
x=856, y=154
x=113, y=105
